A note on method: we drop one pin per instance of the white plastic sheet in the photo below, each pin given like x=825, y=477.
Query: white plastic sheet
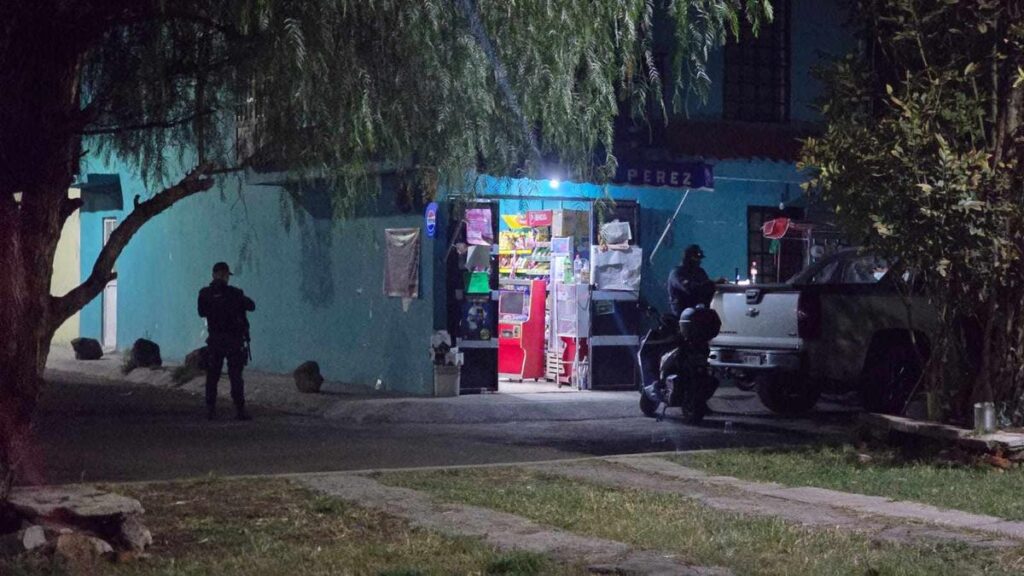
x=616, y=269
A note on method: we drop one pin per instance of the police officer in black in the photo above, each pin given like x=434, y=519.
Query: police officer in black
x=224, y=308
x=688, y=284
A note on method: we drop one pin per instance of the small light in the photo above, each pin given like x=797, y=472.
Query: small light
x=554, y=183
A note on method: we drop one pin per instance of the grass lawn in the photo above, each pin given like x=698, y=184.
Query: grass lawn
x=983, y=490
x=275, y=528
x=697, y=534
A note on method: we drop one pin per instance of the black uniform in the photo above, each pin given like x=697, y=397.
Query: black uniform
x=224, y=308
x=688, y=286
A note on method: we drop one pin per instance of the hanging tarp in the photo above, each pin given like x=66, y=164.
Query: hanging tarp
x=402, y=262
x=101, y=192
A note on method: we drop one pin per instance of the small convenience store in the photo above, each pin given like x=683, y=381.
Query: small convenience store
x=549, y=294
x=550, y=281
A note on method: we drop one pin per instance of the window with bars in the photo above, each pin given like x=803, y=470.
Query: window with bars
x=756, y=82
x=776, y=263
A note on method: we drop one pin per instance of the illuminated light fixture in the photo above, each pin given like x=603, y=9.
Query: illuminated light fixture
x=554, y=183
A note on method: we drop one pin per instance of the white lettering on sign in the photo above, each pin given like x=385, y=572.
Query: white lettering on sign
x=665, y=176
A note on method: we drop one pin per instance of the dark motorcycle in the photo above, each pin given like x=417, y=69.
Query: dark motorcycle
x=674, y=363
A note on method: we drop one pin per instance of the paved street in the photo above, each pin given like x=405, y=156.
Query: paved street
x=89, y=430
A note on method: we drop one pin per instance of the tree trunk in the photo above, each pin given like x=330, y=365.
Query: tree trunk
x=40, y=118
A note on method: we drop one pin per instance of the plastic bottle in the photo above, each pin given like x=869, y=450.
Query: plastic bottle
x=737, y=280
x=577, y=269
x=753, y=272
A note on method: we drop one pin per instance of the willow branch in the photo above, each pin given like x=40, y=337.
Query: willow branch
x=103, y=269
x=147, y=125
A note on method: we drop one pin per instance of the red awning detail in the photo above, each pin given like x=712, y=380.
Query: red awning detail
x=775, y=229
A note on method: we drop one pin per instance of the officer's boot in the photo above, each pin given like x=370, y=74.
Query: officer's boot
x=241, y=413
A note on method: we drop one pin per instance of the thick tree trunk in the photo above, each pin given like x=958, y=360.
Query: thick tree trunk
x=39, y=151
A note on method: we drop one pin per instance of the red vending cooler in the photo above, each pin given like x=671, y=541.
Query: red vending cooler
x=521, y=331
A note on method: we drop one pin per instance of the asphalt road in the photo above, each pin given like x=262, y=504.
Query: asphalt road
x=92, y=432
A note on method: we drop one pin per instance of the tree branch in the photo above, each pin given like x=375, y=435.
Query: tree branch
x=147, y=125
x=68, y=207
x=102, y=270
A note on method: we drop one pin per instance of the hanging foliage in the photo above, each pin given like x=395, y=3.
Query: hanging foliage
x=923, y=157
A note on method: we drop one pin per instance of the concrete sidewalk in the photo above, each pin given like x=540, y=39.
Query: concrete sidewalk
x=361, y=405
x=353, y=404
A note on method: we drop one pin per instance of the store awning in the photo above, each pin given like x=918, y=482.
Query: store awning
x=101, y=192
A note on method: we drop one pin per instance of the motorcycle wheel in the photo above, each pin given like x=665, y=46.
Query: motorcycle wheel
x=647, y=406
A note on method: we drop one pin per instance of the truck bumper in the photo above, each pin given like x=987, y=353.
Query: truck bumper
x=740, y=359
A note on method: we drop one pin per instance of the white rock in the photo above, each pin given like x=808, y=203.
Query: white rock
x=74, y=501
x=102, y=547
x=135, y=535
x=33, y=537
x=81, y=550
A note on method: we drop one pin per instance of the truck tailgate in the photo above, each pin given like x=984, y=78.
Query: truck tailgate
x=760, y=317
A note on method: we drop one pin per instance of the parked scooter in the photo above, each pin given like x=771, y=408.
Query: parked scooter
x=674, y=364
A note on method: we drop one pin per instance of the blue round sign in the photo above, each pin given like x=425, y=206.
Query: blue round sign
x=431, y=219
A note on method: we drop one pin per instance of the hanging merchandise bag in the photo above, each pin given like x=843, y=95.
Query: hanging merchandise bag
x=616, y=269
x=478, y=227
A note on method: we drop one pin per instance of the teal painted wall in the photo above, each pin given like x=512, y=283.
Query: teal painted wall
x=318, y=285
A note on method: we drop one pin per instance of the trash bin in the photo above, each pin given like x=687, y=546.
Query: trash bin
x=446, y=380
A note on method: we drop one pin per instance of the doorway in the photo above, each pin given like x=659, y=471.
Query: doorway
x=523, y=303
x=108, y=334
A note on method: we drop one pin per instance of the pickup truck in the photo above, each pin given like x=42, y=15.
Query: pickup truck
x=841, y=324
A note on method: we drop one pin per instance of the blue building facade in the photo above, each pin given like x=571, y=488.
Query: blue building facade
x=318, y=282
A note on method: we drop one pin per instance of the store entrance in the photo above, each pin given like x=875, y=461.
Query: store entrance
x=543, y=264
x=533, y=314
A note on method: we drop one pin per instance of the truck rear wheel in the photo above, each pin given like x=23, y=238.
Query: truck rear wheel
x=891, y=373
x=787, y=393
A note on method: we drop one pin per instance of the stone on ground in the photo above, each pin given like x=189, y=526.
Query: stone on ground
x=34, y=537
x=87, y=349
x=79, y=505
x=196, y=360
x=307, y=377
x=81, y=551
x=146, y=354
x=134, y=535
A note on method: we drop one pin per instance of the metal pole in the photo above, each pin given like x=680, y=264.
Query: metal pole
x=668, y=226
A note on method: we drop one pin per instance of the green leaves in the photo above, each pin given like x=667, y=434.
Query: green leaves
x=338, y=86
x=908, y=161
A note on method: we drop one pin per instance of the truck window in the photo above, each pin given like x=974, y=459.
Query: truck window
x=824, y=276
x=867, y=269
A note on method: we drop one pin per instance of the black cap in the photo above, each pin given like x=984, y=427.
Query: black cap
x=221, y=267
x=693, y=251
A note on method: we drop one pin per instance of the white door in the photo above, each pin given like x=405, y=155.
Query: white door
x=110, y=315
x=109, y=296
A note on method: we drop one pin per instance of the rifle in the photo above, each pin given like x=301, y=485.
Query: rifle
x=246, y=340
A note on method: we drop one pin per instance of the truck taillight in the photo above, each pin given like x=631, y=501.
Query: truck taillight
x=808, y=315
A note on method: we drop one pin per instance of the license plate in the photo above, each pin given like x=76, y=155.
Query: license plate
x=753, y=359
